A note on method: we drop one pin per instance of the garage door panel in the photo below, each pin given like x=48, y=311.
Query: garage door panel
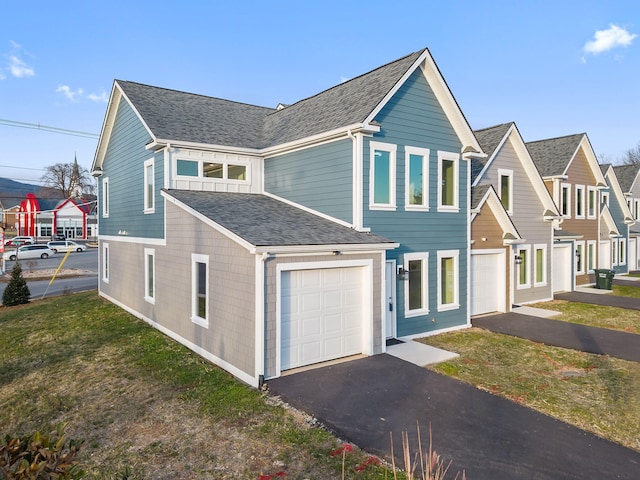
x=486, y=293
x=321, y=315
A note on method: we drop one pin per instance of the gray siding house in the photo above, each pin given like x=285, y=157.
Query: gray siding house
x=509, y=168
x=267, y=239
x=629, y=180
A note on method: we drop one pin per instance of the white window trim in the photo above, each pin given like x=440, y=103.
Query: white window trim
x=636, y=209
x=198, y=258
x=506, y=173
x=152, y=208
x=614, y=252
x=583, y=258
x=594, y=244
x=622, y=252
x=424, y=153
x=149, y=252
x=105, y=197
x=568, y=212
x=392, y=149
x=456, y=172
x=455, y=254
x=225, y=170
x=580, y=189
x=106, y=261
x=605, y=198
x=424, y=256
x=591, y=214
x=536, y=247
x=527, y=267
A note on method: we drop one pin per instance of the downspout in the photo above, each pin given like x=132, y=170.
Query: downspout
x=354, y=160
x=260, y=326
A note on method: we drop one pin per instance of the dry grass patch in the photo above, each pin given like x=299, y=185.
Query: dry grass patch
x=144, y=405
x=595, y=393
x=595, y=315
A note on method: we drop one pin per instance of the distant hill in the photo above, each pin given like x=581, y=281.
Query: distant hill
x=12, y=192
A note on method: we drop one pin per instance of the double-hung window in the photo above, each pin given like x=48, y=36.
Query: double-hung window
x=505, y=189
x=448, y=280
x=149, y=187
x=382, y=176
x=448, y=182
x=200, y=289
x=565, y=199
x=540, y=266
x=149, y=275
x=580, y=201
x=416, y=296
x=592, y=196
x=523, y=269
x=416, y=187
x=105, y=197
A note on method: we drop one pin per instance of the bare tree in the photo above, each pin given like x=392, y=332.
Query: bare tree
x=632, y=156
x=68, y=179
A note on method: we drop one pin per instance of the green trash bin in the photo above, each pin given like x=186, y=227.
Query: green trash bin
x=604, y=278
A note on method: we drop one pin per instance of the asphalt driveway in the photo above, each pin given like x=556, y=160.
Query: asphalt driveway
x=491, y=438
x=600, y=299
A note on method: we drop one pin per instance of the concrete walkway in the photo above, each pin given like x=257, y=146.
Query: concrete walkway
x=366, y=400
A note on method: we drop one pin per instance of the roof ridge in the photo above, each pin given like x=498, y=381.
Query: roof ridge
x=557, y=138
x=494, y=126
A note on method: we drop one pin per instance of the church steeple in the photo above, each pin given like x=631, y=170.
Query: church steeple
x=76, y=181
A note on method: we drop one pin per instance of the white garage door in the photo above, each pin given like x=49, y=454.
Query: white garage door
x=488, y=290
x=562, y=268
x=322, y=315
x=633, y=254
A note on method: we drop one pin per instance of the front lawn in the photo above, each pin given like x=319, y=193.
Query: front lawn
x=146, y=406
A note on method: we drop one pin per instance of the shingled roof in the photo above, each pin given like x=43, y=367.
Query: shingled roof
x=626, y=175
x=552, y=156
x=489, y=139
x=178, y=116
x=264, y=221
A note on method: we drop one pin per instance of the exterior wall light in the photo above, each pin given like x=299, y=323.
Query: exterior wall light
x=518, y=260
x=403, y=274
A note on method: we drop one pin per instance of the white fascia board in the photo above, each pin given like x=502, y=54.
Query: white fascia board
x=443, y=94
x=315, y=249
x=492, y=157
x=219, y=228
x=160, y=143
x=619, y=194
x=503, y=218
x=609, y=221
x=107, y=126
x=585, y=145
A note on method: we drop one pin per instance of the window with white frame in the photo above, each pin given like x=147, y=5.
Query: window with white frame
x=505, y=185
x=105, y=197
x=416, y=161
x=580, y=258
x=382, y=176
x=237, y=171
x=149, y=187
x=565, y=199
x=448, y=280
x=540, y=265
x=636, y=209
x=580, y=201
x=622, y=252
x=105, y=262
x=149, y=275
x=614, y=251
x=592, y=202
x=605, y=198
x=200, y=289
x=448, y=183
x=591, y=255
x=416, y=296
x=523, y=269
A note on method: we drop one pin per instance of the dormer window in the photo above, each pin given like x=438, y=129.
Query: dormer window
x=213, y=170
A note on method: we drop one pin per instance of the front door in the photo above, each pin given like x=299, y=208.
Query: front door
x=390, y=295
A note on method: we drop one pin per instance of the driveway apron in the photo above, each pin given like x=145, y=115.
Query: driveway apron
x=602, y=341
x=599, y=299
x=364, y=401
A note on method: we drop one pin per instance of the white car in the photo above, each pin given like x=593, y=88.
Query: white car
x=21, y=240
x=26, y=252
x=66, y=245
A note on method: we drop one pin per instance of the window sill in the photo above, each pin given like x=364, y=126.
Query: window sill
x=150, y=300
x=416, y=313
x=385, y=208
x=447, y=209
x=523, y=286
x=203, y=322
x=448, y=307
x=542, y=284
x=147, y=212
x=416, y=208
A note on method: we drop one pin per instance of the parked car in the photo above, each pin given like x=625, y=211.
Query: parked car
x=58, y=236
x=66, y=245
x=20, y=240
x=26, y=252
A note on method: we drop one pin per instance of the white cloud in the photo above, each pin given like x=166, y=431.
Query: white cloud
x=605, y=40
x=102, y=97
x=69, y=93
x=18, y=68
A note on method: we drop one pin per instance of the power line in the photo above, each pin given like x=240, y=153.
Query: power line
x=46, y=128
x=23, y=168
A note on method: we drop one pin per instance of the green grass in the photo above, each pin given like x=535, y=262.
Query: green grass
x=145, y=404
x=626, y=291
x=596, y=393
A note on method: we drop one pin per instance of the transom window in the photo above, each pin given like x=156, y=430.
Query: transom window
x=213, y=170
x=382, y=176
x=416, y=178
x=416, y=286
x=448, y=184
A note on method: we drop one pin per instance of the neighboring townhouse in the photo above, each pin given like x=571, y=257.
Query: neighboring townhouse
x=614, y=225
x=572, y=176
x=267, y=239
x=509, y=169
x=629, y=180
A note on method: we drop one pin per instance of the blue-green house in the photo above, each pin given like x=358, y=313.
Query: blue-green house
x=271, y=238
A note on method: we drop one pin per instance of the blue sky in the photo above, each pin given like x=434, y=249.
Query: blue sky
x=554, y=67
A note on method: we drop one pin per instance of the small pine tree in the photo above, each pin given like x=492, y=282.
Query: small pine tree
x=17, y=291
